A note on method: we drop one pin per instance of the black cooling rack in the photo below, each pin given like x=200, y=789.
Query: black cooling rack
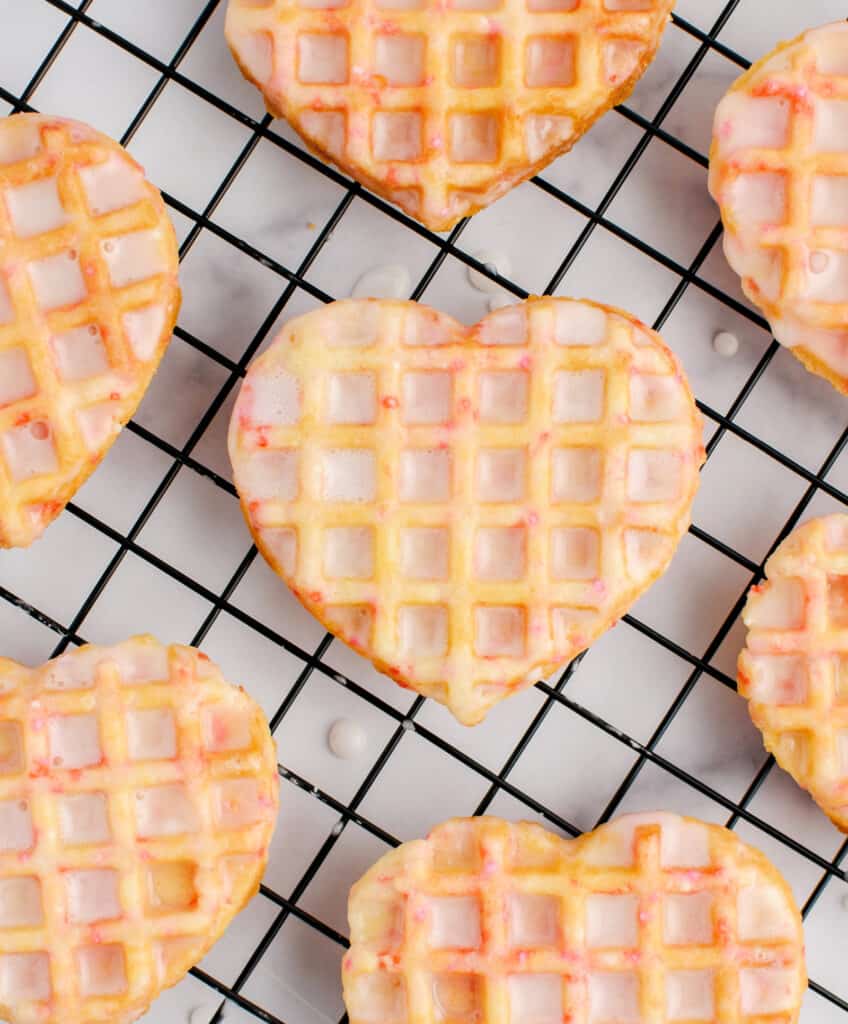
x=292, y=279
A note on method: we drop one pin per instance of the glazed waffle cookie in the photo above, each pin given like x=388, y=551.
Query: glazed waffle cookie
x=794, y=668
x=651, y=918
x=443, y=107
x=779, y=172
x=468, y=507
x=138, y=794
x=88, y=300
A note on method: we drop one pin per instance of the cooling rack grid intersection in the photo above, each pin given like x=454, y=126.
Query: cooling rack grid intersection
x=227, y=600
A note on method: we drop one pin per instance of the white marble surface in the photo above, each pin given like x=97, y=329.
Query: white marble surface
x=279, y=204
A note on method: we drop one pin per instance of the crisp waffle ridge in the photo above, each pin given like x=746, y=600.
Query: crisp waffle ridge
x=88, y=300
x=794, y=668
x=138, y=794
x=779, y=172
x=468, y=507
x=441, y=106
x=650, y=918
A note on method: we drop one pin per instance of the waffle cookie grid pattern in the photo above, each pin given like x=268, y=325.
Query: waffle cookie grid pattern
x=444, y=110
x=468, y=507
x=138, y=793
x=651, y=918
x=794, y=668
x=779, y=171
x=88, y=300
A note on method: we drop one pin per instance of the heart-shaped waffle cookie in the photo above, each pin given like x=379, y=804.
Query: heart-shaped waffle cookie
x=779, y=172
x=441, y=106
x=794, y=668
x=88, y=300
x=650, y=918
x=138, y=794
x=468, y=507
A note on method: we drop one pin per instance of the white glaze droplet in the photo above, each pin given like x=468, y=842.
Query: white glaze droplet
x=501, y=300
x=845, y=901
x=726, y=344
x=497, y=263
x=200, y=1014
x=346, y=739
x=390, y=281
x=819, y=262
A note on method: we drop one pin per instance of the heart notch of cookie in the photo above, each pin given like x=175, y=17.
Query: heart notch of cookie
x=649, y=917
x=467, y=507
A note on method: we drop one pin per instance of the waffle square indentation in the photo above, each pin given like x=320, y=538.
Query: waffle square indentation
x=425, y=475
x=614, y=996
x=425, y=552
x=102, y=970
x=352, y=398
x=171, y=886
x=349, y=474
x=92, y=895
x=612, y=921
x=57, y=281
x=398, y=135
x=423, y=630
x=500, y=631
x=455, y=922
x=349, y=552
x=36, y=208
x=427, y=397
x=151, y=734
x=688, y=919
x=500, y=553
x=579, y=396
x=474, y=138
x=576, y=475
x=323, y=58
x=535, y=998
x=25, y=977
x=399, y=57
x=165, y=811
x=504, y=396
x=17, y=381
x=501, y=474
x=84, y=819
x=534, y=920
x=74, y=741
x=549, y=61
x=654, y=475
x=12, y=757
x=837, y=601
x=690, y=995
x=16, y=828
x=475, y=61
x=458, y=997
x=20, y=902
